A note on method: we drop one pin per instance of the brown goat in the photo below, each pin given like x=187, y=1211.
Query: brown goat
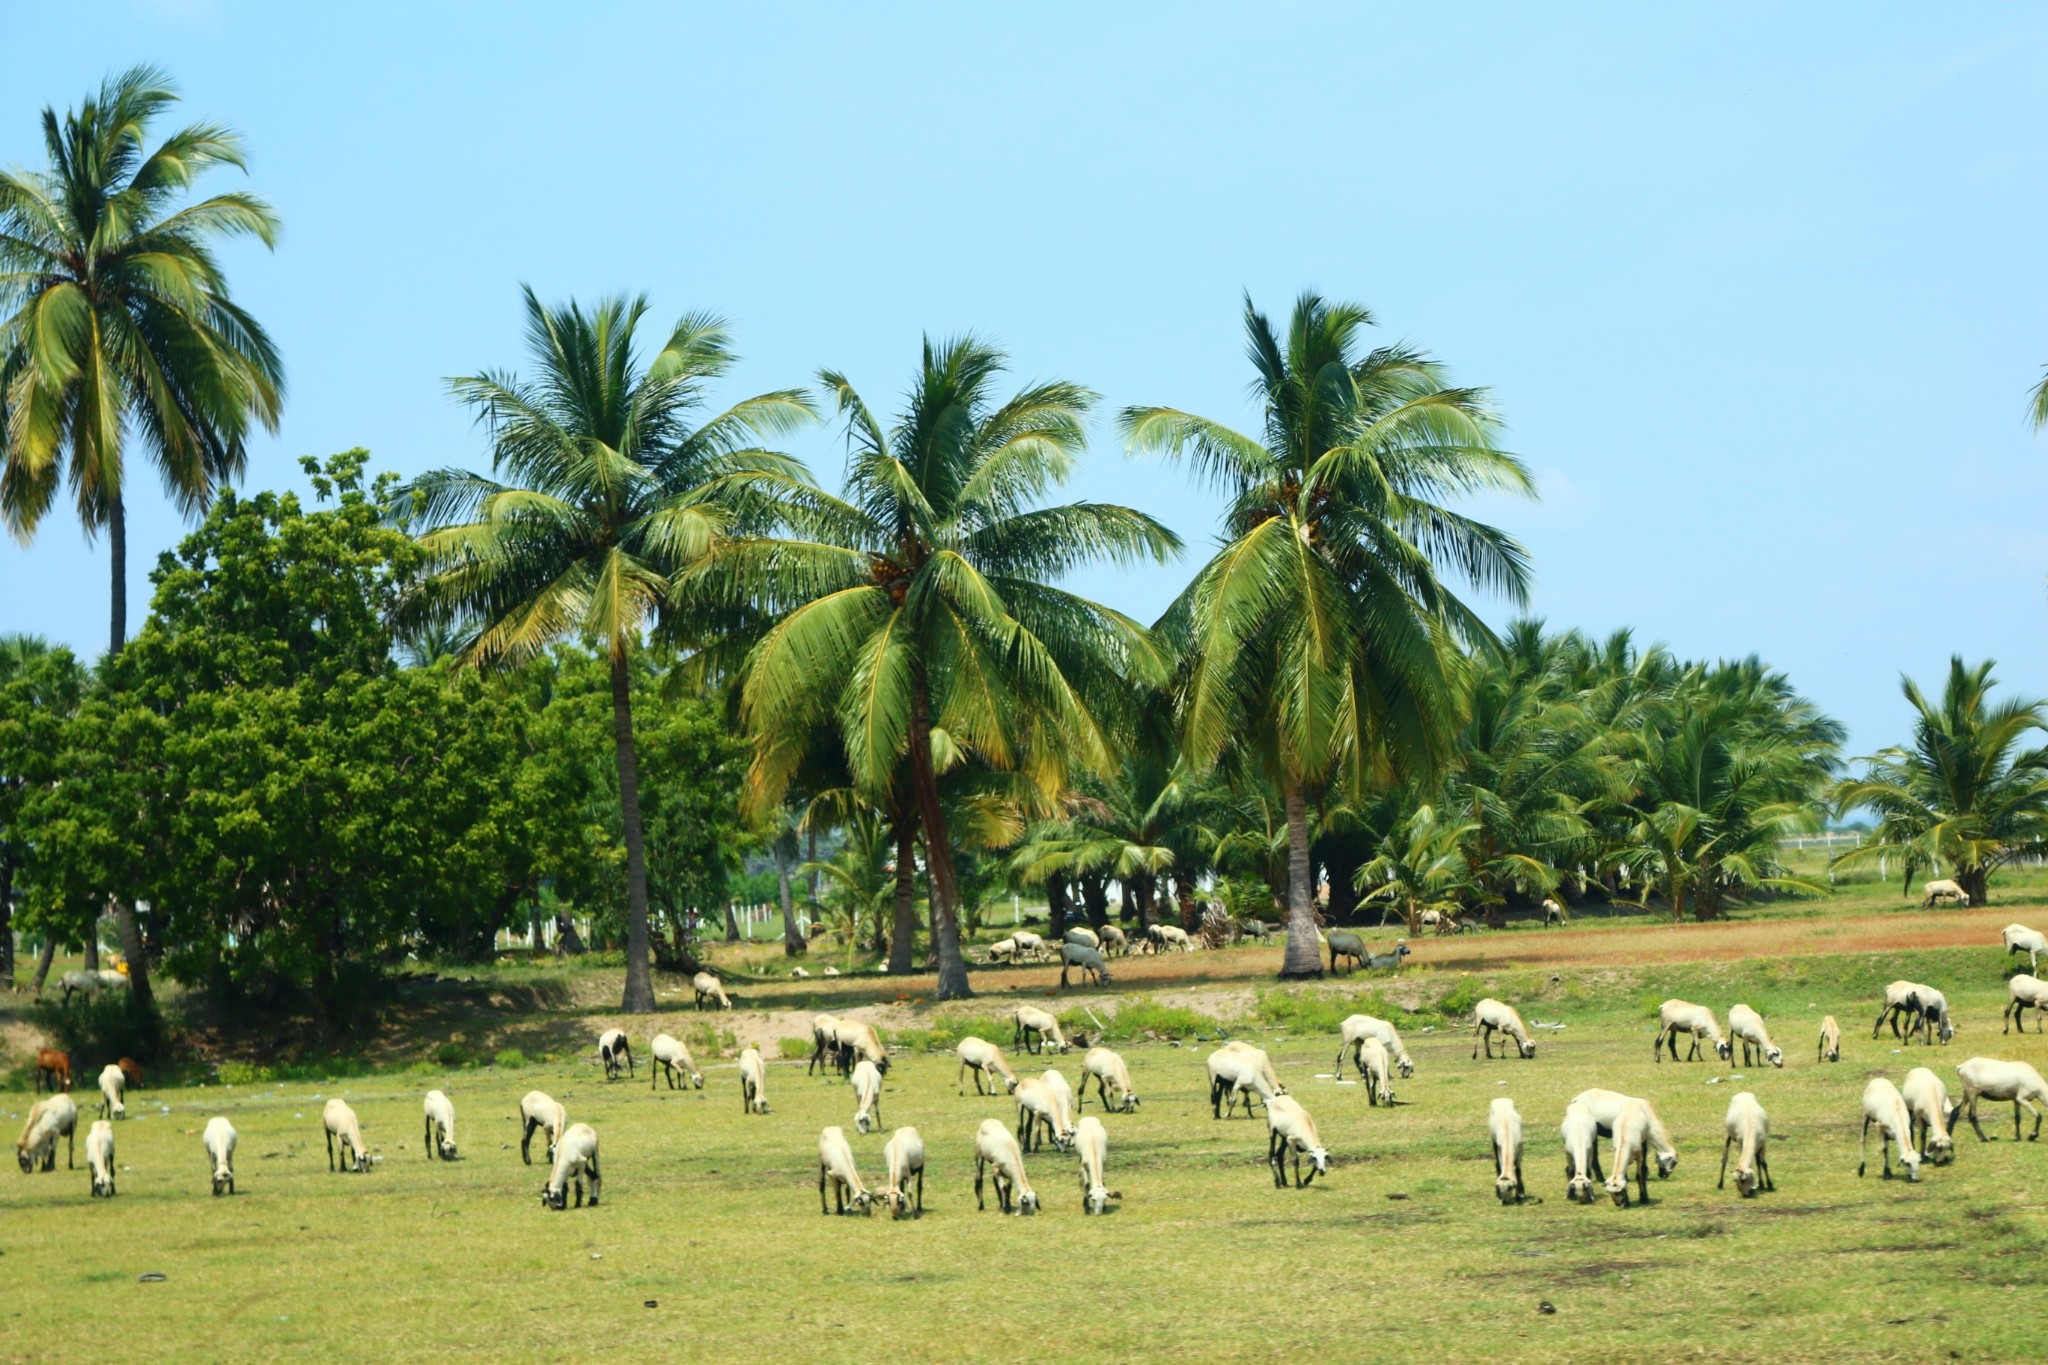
x=132, y=1069
x=53, y=1070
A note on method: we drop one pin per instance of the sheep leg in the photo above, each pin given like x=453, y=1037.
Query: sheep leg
x=1643, y=1176
x=920, y=1194
x=1863, y=1148
x=1215, y=1097
x=429, y=1139
x=1970, y=1101
x=330, y=1153
x=1763, y=1171
x=980, y=1167
x=526, y=1142
x=1518, y=1175
x=1726, y=1143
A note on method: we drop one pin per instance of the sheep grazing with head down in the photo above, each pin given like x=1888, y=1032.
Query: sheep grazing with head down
x=1748, y=1129
x=1239, y=1069
x=867, y=1092
x=1746, y=1027
x=860, y=1042
x=53, y=1070
x=440, y=1132
x=1002, y=950
x=614, y=1051
x=984, y=1058
x=1554, y=913
x=339, y=1122
x=1944, y=889
x=995, y=1145
x=575, y=1158
x=1114, y=941
x=1345, y=944
x=131, y=1069
x=1991, y=1079
x=753, y=1082
x=219, y=1142
x=1884, y=1106
x=1031, y=945
x=113, y=1085
x=1606, y=1107
x=1290, y=1131
x=1356, y=1029
x=1504, y=1130
x=903, y=1155
x=1091, y=1142
x=673, y=1062
x=824, y=1044
x=538, y=1111
x=1581, y=1136
x=709, y=988
x=1041, y=1107
x=1631, y=1148
x=2022, y=993
x=1927, y=1101
x=1489, y=1017
x=836, y=1168
x=1082, y=935
x=2018, y=938
x=99, y=1158
x=1925, y=1009
x=1377, y=1065
x=1089, y=960
x=1830, y=1040
x=1696, y=1021
x=1106, y=1068
x=1036, y=1029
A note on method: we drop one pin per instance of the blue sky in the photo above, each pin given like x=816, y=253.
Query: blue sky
x=1759, y=290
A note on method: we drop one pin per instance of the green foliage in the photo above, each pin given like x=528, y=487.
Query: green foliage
x=98, y=1028
x=507, y=1058
x=39, y=691
x=454, y=1054
x=793, y=1049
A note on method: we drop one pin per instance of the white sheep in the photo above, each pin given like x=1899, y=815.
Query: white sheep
x=440, y=1116
x=2019, y=938
x=984, y=1058
x=1039, y=1105
x=611, y=1047
x=1606, y=1107
x=113, y=1085
x=540, y=1111
x=1927, y=1102
x=1746, y=1026
x=1289, y=1129
x=1091, y=1141
x=867, y=1090
x=2022, y=993
x=1944, y=889
x=1240, y=1069
x=1884, y=1106
x=1084, y=936
x=708, y=987
x=799, y=974
x=1830, y=1040
x=903, y=1154
x=672, y=1062
x=753, y=1082
x=824, y=1044
x=1923, y=1004
x=1036, y=1028
x=1173, y=938
x=1553, y=913
x=1378, y=1066
x=575, y=1156
x=1504, y=1128
x=341, y=1126
x=995, y=1145
x=1490, y=1016
x=1581, y=1134
x=1114, y=941
x=1996, y=1080
x=1056, y=1081
x=99, y=1158
x=1031, y=944
x=860, y=1042
x=219, y=1141
x=1749, y=1129
x=1002, y=950
x=1632, y=1129
x=831, y=971
x=1108, y=1070
x=1697, y=1021
x=1361, y=1026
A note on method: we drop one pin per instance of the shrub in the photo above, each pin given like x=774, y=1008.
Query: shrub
x=1141, y=1014
x=793, y=1049
x=453, y=1054
x=1459, y=999
x=510, y=1057
x=242, y=1073
x=96, y=1029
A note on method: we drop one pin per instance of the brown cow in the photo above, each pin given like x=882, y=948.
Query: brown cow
x=53, y=1070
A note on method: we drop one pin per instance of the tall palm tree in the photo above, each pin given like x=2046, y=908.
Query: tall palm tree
x=2038, y=409
x=1319, y=637
x=1964, y=793
x=608, y=492
x=116, y=321
x=926, y=608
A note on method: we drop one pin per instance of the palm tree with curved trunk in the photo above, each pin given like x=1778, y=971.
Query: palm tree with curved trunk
x=116, y=324
x=1964, y=793
x=925, y=604
x=1320, y=639
x=606, y=491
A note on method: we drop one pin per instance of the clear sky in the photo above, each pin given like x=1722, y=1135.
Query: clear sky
x=1759, y=289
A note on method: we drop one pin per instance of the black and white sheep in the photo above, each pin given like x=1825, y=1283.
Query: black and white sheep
x=575, y=1158
x=1927, y=1103
x=903, y=1156
x=1491, y=1016
x=1036, y=1029
x=1748, y=1130
x=2018, y=938
x=1988, y=1078
x=984, y=1059
x=1746, y=1026
x=113, y=1087
x=672, y=1062
x=99, y=1158
x=1291, y=1131
x=836, y=1168
x=708, y=987
x=1696, y=1021
x=1041, y=1108
x=539, y=1111
x=1358, y=1027
x=867, y=1094
x=1106, y=1068
x=1240, y=1069
x=1091, y=1143
x=1944, y=889
x=753, y=1082
x=339, y=1124
x=1884, y=1106
x=1581, y=1136
x=1925, y=1009
x=1504, y=1130
x=440, y=1130
x=996, y=1146
x=1830, y=1040
x=2022, y=993
x=612, y=1049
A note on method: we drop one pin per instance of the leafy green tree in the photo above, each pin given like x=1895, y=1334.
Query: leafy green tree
x=1967, y=793
x=605, y=491
x=40, y=685
x=1319, y=638
x=926, y=604
x=1419, y=865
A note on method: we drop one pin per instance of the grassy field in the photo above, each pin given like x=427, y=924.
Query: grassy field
x=709, y=1239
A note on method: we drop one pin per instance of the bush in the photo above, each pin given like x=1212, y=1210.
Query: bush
x=793, y=1049
x=1458, y=1001
x=510, y=1057
x=453, y=1054
x=1139, y=1015
x=241, y=1073
x=97, y=1029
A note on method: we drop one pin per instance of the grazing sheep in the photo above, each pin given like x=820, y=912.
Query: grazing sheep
x=575, y=1155
x=1031, y=944
x=1040, y=1106
x=1091, y=1141
x=48, y=1120
x=1377, y=1064
x=1170, y=938
x=1387, y=962
x=707, y=987
x=1114, y=941
x=1504, y=1128
x=1697, y=1021
x=867, y=1092
x=1830, y=1040
x=440, y=1130
x=1996, y=1080
x=984, y=1059
x=860, y=1042
x=1345, y=944
x=219, y=1142
x=1746, y=1026
x=1002, y=950
x=1924, y=1006
x=87, y=983
x=1056, y=1080
x=1085, y=937
x=672, y=1062
x=1884, y=1106
x=753, y=1082
x=2024, y=992
x=612, y=1048
x=1108, y=1069
x=824, y=1044
x=1554, y=913
x=99, y=1158
x=112, y=1085
x=1240, y=1069
x=1358, y=1027
x=132, y=1069
x=799, y=974
x=1632, y=1129
x=1927, y=1102
x=540, y=1111
x=53, y=1070
x=1606, y=1106
x=1089, y=960
x=1035, y=1028
x=836, y=1169
x=340, y=1124
x=1490, y=1016
x=831, y=971
x=903, y=1154
x=1944, y=889
x=995, y=1145
x=1581, y=1136
x=1289, y=1129
x=1255, y=928
x=1749, y=1129
x=2020, y=939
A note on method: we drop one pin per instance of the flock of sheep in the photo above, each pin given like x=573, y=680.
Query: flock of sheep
x=1915, y=1120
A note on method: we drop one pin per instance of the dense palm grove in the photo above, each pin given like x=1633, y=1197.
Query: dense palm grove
x=647, y=643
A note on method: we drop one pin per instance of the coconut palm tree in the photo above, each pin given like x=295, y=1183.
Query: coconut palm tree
x=606, y=491
x=1320, y=636
x=1965, y=794
x=2038, y=409
x=1417, y=866
x=924, y=609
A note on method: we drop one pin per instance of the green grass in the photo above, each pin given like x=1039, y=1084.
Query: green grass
x=1401, y=1253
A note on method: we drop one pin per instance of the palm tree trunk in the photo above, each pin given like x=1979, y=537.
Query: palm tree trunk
x=903, y=937
x=791, y=944
x=639, y=997
x=44, y=959
x=92, y=945
x=1144, y=888
x=1303, y=958
x=1057, y=905
x=1184, y=891
x=117, y=551
x=938, y=850
x=125, y=927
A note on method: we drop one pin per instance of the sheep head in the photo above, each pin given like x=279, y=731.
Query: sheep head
x=1320, y=1156
x=697, y=1079
x=1725, y=1050
x=447, y=1145
x=1579, y=1189
x=222, y=1181
x=1027, y=1203
x=1948, y=1028
x=1098, y=1198
x=1775, y=1056
x=552, y=1197
x=1407, y=1066
x=1941, y=1150
x=1745, y=1181
x=1667, y=1162
x=1910, y=1159
x=1504, y=1187
x=1527, y=1048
